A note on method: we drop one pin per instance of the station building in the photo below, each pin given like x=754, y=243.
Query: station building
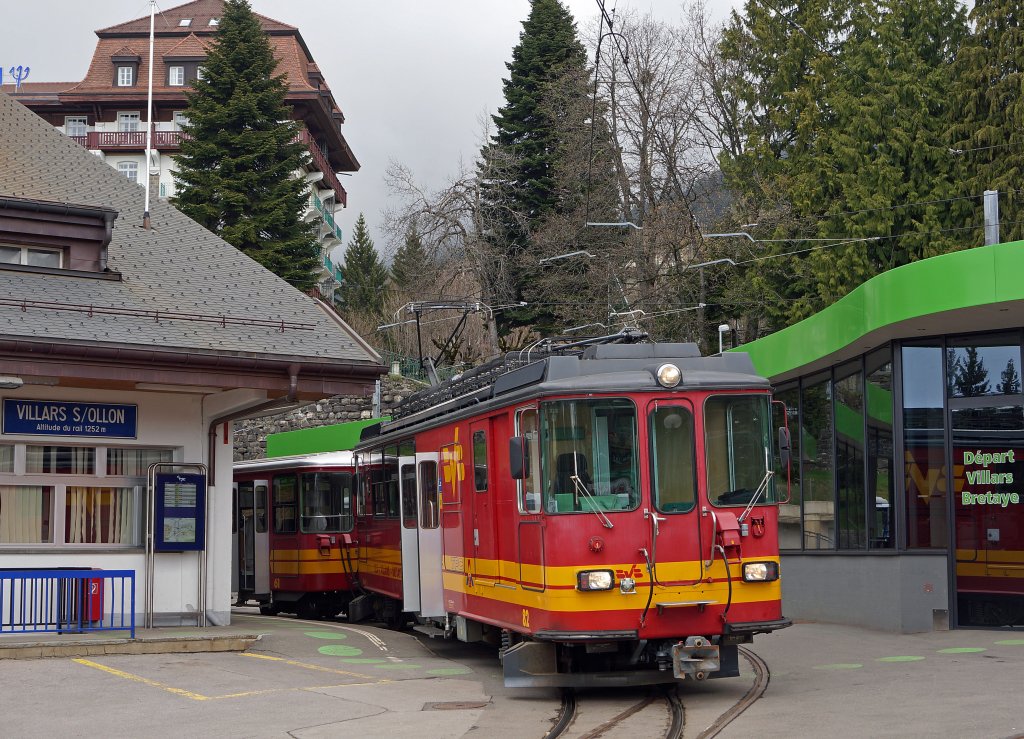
x=121, y=347
x=906, y=411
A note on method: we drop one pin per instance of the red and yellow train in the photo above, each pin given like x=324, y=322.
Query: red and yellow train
x=606, y=514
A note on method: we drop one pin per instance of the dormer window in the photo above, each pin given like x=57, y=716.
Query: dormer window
x=125, y=75
x=30, y=256
x=176, y=76
x=40, y=236
x=185, y=22
x=126, y=66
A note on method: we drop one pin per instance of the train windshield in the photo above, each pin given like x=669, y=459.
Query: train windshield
x=326, y=502
x=589, y=455
x=737, y=445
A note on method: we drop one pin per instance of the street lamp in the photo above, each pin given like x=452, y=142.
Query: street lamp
x=580, y=253
x=722, y=329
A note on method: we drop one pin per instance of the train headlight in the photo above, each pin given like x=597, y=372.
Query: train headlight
x=669, y=375
x=595, y=580
x=760, y=571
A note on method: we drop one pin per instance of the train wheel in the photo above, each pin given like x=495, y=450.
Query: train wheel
x=269, y=609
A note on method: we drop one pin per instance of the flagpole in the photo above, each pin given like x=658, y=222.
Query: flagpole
x=149, y=113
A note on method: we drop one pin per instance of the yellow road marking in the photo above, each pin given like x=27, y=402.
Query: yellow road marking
x=144, y=680
x=308, y=666
x=200, y=697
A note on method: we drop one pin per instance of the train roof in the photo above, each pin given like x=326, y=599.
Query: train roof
x=603, y=368
x=297, y=461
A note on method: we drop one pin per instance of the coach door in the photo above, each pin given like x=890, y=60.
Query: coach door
x=252, y=545
x=453, y=470
x=409, y=500
x=481, y=546
x=530, y=531
x=430, y=547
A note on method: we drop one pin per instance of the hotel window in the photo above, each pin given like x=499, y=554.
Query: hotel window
x=125, y=75
x=128, y=121
x=180, y=119
x=75, y=125
x=32, y=257
x=176, y=76
x=129, y=170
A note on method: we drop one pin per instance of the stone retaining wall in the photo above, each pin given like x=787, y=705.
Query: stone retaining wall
x=250, y=435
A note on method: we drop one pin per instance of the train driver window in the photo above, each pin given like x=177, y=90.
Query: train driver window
x=285, y=498
x=429, y=503
x=326, y=502
x=529, y=486
x=673, y=471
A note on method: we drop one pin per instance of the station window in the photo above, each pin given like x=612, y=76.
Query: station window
x=429, y=508
x=25, y=512
x=60, y=460
x=134, y=462
x=31, y=257
x=6, y=458
x=102, y=515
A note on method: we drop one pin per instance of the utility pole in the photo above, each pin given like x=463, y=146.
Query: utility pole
x=991, y=217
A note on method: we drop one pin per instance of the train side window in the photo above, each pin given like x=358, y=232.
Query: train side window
x=409, y=496
x=429, y=507
x=378, y=484
x=326, y=502
x=391, y=480
x=261, y=508
x=285, y=499
x=673, y=450
x=529, y=488
x=480, y=461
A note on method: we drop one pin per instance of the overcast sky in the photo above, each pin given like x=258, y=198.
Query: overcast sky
x=412, y=77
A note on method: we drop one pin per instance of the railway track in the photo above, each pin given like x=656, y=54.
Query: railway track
x=647, y=712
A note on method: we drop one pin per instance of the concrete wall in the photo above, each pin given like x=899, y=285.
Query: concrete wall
x=900, y=593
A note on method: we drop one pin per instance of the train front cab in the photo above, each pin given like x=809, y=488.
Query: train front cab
x=589, y=544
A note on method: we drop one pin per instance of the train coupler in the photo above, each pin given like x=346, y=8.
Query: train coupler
x=695, y=659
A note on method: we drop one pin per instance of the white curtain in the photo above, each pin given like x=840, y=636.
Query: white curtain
x=6, y=458
x=22, y=508
x=100, y=515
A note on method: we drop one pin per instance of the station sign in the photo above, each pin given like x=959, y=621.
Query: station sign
x=63, y=418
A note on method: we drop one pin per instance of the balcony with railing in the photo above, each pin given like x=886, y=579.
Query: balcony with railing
x=325, y=213
x=321, y=162
x=129, y=140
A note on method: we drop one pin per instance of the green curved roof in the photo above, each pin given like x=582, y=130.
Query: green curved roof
x=972, y=290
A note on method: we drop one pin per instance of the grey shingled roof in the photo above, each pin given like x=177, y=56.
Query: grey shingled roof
x=177, y=266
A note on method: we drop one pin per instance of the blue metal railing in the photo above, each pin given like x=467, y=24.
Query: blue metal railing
x=67, y=601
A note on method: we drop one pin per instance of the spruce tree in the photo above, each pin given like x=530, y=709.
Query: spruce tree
x=988, y=134
x=236, y=170
x=412, y=264
x=518, y=166
x=364, y=286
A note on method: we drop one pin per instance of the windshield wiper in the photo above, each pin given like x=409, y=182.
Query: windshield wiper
x=581, y=489
x=761, y=488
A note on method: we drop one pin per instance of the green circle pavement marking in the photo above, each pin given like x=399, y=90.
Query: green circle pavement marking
x=398, y=666
x=961, y=650
x=450, y=671
x=1011, y=642
x=327, y=635
x=900, y=658
x=340, y=650
x=363, y=661
x=839, y=666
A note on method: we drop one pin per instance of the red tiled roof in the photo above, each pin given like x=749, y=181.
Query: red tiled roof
x=199, y=11
x=126, y=51
x=191, y=45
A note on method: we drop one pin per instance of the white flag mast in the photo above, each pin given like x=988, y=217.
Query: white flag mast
x=149, y=113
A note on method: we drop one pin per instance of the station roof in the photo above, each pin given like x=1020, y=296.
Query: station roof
x=976, y=289
x=176, y=267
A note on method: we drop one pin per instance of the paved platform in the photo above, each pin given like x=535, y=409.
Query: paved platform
x=147, y=641
x=310, y=679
